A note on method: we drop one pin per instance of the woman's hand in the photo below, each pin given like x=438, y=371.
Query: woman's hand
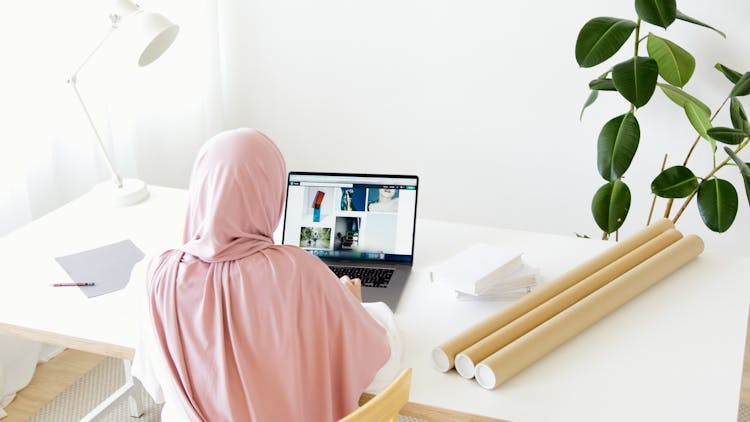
x=354, y=286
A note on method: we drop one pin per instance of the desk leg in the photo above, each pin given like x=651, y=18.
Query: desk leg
x=134, y=400
x=128, y=390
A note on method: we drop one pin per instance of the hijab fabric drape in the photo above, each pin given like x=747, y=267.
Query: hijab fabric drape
x=253, y=331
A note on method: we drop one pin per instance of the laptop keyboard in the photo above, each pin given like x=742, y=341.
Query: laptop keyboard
x=371, y=277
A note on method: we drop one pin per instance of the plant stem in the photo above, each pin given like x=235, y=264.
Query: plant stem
x=651, y=211
x=635, y=51
x=637, y=34
x=684, y=163
x=714, y=157
x=682, y=208
x=717, y=168
x=605, y=236
x=653, y=202
x=668, y=207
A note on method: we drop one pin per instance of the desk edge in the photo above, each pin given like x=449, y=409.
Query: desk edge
x=433, y=414
x=99, y=348
x=414, y=410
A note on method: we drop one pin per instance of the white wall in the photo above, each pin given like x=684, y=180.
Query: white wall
x=479, y=98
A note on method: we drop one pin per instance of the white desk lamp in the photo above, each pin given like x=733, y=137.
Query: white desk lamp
x=150, y=35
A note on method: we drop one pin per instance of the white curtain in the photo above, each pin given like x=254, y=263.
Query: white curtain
x=152, y=119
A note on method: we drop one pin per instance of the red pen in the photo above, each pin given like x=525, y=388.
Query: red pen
x=72, y=284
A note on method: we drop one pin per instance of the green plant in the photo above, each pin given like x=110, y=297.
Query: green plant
x=636, y=79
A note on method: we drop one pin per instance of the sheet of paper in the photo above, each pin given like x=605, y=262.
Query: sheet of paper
x=477, y=268
x=108, y=267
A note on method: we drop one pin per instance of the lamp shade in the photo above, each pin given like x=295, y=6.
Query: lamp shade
x=148, y=33
x=153, y=34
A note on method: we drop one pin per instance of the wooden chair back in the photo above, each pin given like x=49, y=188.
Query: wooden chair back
x=385, y=406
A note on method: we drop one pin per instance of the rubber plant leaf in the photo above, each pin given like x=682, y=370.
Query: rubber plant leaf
x=610, y=205
x=681, y=97
x=635, y=79
x=717, y=203
x=600, y=38
x=658, y=12
x=683, y=17
x=617, y=144
x=676, y=65
x=674, y=182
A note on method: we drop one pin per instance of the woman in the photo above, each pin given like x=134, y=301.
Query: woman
x=241, y=329
x=383, y=200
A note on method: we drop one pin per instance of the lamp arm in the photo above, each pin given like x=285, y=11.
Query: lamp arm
x=115, y=175
x=111, y=29
x=73, y=81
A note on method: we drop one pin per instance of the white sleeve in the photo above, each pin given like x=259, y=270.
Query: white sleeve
x=381, y=313
x=143, y=362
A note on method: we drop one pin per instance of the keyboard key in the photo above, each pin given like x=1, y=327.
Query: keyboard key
x=371, y=277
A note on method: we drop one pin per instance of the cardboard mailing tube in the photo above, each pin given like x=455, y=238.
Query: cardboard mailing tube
x=466, y=360
x=526, y=350
x=443, y=356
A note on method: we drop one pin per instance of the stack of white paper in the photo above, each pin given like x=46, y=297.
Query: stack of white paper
x=486, y=272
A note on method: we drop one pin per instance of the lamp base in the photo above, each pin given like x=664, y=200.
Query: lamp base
x=132, y=192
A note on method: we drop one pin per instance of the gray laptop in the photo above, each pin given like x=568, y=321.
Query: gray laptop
x=360, y=225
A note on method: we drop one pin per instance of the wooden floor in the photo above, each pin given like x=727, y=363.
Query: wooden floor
x=58, y=374
x=50, y=379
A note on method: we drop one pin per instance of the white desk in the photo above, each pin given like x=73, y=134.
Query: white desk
x=674, y=353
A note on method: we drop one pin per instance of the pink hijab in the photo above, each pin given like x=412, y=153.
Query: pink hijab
x=253, y=331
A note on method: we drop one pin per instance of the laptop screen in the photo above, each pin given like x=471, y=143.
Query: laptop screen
x=347, y=216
